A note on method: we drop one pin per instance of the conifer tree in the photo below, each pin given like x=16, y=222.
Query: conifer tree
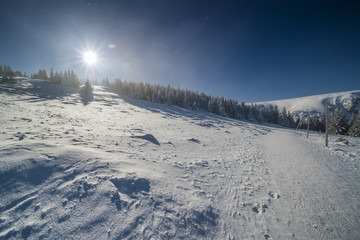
x=87, y=88
x=51, y=76
x=221, y=107
x=337, y=123
x=354, y=130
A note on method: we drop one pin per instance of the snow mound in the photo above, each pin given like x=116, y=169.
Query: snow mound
x=149, y=137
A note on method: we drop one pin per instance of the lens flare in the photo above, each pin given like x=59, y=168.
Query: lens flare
x=90, y=58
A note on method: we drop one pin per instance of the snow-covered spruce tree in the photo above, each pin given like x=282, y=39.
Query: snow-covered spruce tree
x=87, y=88
x=231, y=107
x=283, y=118
x=221, y=107
x=352, y=120
x=203, y=100
x=256, y=113
x=140, y=91
x=148, y=92
x=51, y=75
x=316, y=124
x=18, y=73
x=276, y=114
x=57, y=78
x=188, y=99
x=40, y=75
x=54, y=78
x=213, y=105
x=291, y=120
x=272, y=114
x=240, y=111
x=6, y=71
x=68, y=78
x=354, y=130
x=337, y=123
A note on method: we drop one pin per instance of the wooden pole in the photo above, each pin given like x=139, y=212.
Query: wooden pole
x=308, y=125
x=326, y=125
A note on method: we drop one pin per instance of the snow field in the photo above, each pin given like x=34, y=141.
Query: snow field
x=105, y=167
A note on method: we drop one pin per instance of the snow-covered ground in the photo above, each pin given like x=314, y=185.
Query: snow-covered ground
x=315, y=105
x=74, y=166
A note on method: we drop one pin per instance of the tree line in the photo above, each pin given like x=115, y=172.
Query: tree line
x=67, y=78
x=337, y=123
x=6, y=71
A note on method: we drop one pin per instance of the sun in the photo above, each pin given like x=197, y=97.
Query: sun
x=90, y=57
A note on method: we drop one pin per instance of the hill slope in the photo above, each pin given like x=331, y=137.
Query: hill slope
x=78, y=166
x=348, y=102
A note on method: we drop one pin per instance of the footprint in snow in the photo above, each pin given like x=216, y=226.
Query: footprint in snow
x=20, y=135
x=260, y=209
x=267, y=237
x=255, y=209
x=274, y=195
x=194, y=140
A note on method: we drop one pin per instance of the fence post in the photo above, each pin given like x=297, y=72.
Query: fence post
x=326, y=125
x=308, y=124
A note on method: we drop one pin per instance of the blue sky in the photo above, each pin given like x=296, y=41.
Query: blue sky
x=246, y=50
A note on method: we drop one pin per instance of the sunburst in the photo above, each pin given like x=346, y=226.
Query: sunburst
x=90, y=57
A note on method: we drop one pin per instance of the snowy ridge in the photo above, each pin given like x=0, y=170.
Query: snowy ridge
x=79, y=166
x=348, y=102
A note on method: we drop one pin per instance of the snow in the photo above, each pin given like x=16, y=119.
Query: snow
x=109, y=167
x=315, y=105
x=317, y=195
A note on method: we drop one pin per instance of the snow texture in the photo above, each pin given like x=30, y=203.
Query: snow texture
x=118, y=168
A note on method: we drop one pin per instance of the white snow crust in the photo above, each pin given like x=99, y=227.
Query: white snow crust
x=100, y=166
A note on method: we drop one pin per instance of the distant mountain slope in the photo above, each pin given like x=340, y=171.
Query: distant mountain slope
x=349, y=102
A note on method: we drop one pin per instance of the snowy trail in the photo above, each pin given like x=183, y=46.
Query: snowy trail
x=319, y=199
x=235, y=182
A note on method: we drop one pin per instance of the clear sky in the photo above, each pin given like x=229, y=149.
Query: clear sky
x=246, y=50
